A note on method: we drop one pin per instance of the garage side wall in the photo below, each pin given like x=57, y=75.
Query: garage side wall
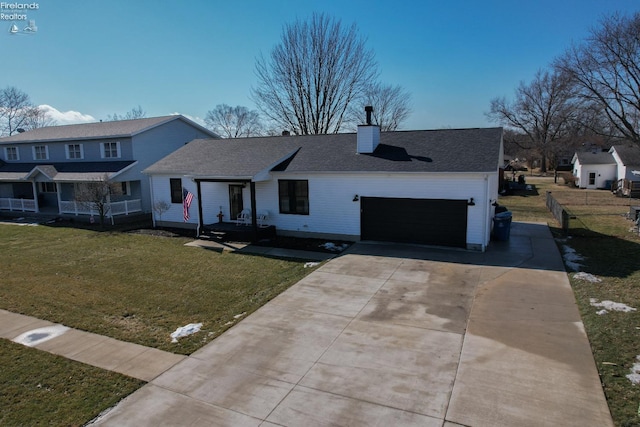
x=332, y=210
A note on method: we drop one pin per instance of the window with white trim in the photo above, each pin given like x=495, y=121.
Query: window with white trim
x=40, y=152
x=74, y=151
x=11, y=153
x=110, y=150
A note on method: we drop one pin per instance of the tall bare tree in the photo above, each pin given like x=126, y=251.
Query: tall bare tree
x=134, y=113
x=390, y=106
x=234, y=122
x=606, y=68
x=313, y=75
x=543, y=110
x=17, y=112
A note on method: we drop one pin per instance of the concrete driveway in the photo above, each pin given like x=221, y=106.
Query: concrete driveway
x=396, y=335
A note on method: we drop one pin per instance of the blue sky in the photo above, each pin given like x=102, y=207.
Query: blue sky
x=91, y=58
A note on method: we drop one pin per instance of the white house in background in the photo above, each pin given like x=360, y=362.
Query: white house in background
x=41, y=170
x=594, y=169
x=628, y=169
x=435, y=187
x=627, y=158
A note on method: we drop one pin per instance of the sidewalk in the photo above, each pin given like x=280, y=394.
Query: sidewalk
x=130, y=359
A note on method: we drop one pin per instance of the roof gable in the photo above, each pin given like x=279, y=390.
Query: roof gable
x=628, y=154
x=98, y=130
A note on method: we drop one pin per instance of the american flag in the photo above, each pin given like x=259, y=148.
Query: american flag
x=187, y=198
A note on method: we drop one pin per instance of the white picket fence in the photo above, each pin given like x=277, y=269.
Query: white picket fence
x=21, y=205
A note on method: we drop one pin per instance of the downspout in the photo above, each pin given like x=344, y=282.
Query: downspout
x=254, y=214
x=199, y=192
x=487, y=214
x=153, y=202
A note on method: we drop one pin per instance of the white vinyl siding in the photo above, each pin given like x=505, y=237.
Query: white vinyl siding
x=40, y=152
x=11, y=153
x=110, y=150
x=74, y=151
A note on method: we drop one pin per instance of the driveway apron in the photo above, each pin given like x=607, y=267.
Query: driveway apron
x=396, y=335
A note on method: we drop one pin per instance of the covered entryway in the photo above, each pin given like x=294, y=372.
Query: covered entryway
x=438, y=222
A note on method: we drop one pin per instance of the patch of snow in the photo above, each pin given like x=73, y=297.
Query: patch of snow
x=310, y=264
x=183, y=331
x=571, y=258
x=601, y=312
x=586, y=276
x=237, y=316
x=610, y=306
x=634, y=376
x=330, y=246
x=40, y=335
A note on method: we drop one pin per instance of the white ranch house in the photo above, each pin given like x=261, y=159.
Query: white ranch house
x=436, y=187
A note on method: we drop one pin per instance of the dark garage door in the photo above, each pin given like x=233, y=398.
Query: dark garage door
x=425, y=221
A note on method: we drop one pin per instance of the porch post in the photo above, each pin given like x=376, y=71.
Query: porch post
x=35, y=196
x=254, y=214
x=59, y=196
x=199, y=192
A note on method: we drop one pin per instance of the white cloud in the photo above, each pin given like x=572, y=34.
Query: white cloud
x=198, y=120
x=67, y=117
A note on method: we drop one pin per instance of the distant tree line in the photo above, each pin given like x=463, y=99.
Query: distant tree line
x=588, y=95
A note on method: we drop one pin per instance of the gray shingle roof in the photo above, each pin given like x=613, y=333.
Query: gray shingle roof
x=98, y=130
x=597, y=158
x=629, y=154
x=446, y=150
x=76, y=171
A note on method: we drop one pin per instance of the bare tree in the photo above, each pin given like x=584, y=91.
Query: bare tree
x=313, y=75
x=390, y=106
x=15, y=110
x=97, y=195
x=160, y=207
x=234, y=122
x=38, y=118
x=606, y=68
x=134, y=113
x=544, y=111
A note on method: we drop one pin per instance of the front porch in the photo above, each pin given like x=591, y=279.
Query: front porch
x=231, y=231
x=72, y=207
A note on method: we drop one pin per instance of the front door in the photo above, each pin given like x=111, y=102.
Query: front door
x=235, y=200
x=591, y=180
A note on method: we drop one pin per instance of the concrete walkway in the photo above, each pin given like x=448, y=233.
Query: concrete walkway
x=396, y=335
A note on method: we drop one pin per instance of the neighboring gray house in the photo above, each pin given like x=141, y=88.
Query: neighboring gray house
x=435, y=187
x=42, y=170
x=594, y=169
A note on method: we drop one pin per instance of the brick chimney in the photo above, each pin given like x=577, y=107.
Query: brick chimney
x=368, y=135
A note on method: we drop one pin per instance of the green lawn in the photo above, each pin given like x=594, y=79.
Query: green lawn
x=601, y=234
x=40, y=389
x=133, y=287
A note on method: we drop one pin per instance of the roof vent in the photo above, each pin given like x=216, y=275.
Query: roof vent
x=368, y=109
